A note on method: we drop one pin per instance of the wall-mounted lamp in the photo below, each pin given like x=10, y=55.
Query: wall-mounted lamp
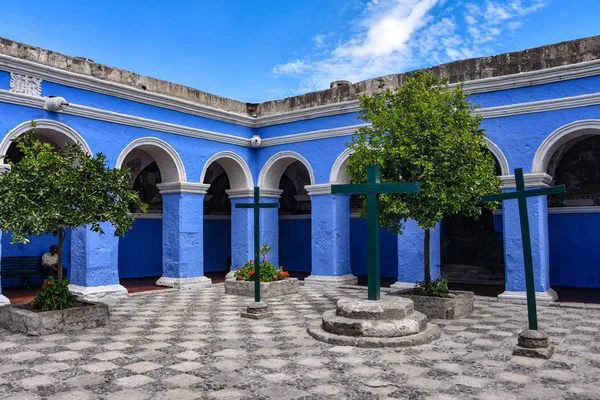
x=55, y=104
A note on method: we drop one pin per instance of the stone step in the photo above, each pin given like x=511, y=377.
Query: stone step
x=387, y=328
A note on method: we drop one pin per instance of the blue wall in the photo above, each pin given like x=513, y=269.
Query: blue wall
x=295, y=244
x=217, y=245
x=574, y=250
x=37, y=247
x=359, y=252
x=140, y=250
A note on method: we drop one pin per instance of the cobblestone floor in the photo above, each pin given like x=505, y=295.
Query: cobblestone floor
x=194, y=345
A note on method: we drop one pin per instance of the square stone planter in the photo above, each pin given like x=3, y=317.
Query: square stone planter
x=20, y=318
x=459, y=305
x=267, y=289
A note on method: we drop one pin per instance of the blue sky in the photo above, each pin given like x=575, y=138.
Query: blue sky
x=261, y=50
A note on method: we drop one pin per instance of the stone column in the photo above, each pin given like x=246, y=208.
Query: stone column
x=242, y=229
x=183, y=221
x=269, y=224
x=330, y=226
x=94, y=264
x=411, y=256
x=3, y=299
x=513, y=248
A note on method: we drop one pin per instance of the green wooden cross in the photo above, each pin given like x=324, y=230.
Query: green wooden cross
x=521, y=195
x=257, y=205
x=372, y=188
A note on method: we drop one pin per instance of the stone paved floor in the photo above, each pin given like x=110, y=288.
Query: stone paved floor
x=194, y=345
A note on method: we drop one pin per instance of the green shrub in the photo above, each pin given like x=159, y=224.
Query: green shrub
x=435, y=288
x=268, y=272
x=54, y=296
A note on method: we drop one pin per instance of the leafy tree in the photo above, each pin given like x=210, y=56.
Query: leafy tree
x=426, y=132
x=52, y=190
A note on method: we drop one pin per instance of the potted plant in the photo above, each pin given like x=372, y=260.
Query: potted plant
x=51, y=190
x=274, y=281
x=426, y=132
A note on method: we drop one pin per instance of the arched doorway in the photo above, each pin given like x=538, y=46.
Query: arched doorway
x=574, y=216
x=152, y=162
x=472, y=250
x=57, y=134
x=295, y=220
x=217, y=223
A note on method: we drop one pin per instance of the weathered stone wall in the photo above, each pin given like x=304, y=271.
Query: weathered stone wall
x=85, y=66
x=538, y=58
x=554, y=55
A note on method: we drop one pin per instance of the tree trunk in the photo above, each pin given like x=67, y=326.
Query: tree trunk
x=59, y=252
x=426, y=256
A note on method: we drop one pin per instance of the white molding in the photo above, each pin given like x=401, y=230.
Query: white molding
x=338, y=171
x=154, y=216
x=240, y=193
x=324, y=280
x=560, y=103
x=182, y=187
x=532, y=78
x=574, y=210
x=43, y=124
x=98, y=293
x=238, y=172
x=270, y=192
x=295, y=217
x=312, y=135
x=543, y=298
x=185, y=283
x=125, y=119
x=559, y=137
x=531, y=180
x=4, y=168
x=96, y=85
x=499, y=155
x=344, y=107
x=149, y=216
x=275, y=166
x=320, y=188
x=166, y=157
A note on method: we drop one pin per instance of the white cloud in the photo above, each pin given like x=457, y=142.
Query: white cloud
x=391, y=36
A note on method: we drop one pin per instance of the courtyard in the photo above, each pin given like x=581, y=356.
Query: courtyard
x=194, y=345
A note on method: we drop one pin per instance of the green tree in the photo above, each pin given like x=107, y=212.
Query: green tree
x=424, y=131
x=51, y=190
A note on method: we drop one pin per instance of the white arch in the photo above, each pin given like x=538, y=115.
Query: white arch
x=238, y=172
x=276, y=165
x=340, y=175
x=168, y=160
x=338, y=171
x=500, y=157
x=559, y=137
x=46, y=127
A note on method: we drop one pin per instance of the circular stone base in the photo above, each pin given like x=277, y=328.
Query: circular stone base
x=257, y=310
x=428, y=335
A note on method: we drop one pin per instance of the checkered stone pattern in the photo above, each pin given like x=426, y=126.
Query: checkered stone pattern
x=194, y=345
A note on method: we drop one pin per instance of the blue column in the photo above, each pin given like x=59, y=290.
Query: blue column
x=94, y=272
x=513, y=250
x=183, y=251
x=269, y=229
x=3, y=299
x=330, y=226
x=411, y=256
x=242, y=232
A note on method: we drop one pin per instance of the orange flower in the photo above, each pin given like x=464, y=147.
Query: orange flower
x=281, y=273
x=240, y=278
x=286, y=273
x=267, y=261
x=281, y=267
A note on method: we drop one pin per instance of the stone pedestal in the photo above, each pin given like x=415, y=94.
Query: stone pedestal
x=257, y=310
x=533, y=344
x=391, y=322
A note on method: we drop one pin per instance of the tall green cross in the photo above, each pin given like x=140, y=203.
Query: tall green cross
x=372, y=188
x=521, y=195
x=257, y=205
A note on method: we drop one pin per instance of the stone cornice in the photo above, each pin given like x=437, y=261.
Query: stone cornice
x=566, y=210
x=560, y=103
x=240, y=193
x=183, y=187
x=321, y=188
x=531, y=180
x=268, y=192
x=312, y=135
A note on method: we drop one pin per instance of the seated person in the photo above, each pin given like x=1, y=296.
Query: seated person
x=50, y=260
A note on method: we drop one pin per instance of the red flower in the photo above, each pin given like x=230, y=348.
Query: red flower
x=251, y=261
x=281, y=267
x=251, y=272
x=266, y=261
x=240, y=278
x=274, y=276
x=238, y=267
x=48, y=283
x=286, y=273
x=281, y=273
